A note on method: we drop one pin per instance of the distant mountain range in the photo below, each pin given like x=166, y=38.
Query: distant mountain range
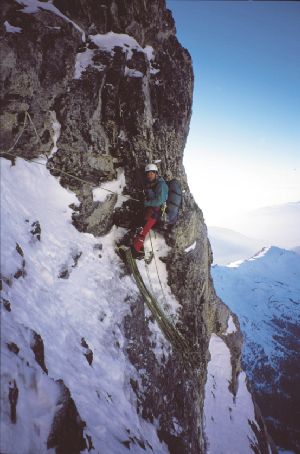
x=229, y=246
x=278, y=225
x=264, y=292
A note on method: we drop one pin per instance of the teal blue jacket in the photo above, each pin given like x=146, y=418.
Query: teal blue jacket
x=156, y=193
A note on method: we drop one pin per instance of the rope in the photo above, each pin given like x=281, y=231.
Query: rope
x=33, y=125
x=190, y=356
x=50, y=166
x=20, y=135
x=170, y=331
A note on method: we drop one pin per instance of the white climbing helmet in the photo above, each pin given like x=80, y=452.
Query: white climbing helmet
x=151, y=168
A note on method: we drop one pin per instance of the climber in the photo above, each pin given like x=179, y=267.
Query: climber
x=156, y=194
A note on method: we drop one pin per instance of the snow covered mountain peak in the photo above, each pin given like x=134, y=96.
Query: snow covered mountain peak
x=271, y=253
x=271, y=263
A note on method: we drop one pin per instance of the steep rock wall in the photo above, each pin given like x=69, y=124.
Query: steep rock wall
x=119, y=103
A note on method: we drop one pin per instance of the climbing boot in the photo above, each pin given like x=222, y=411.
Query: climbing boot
x=138, y=242
x=138, y=255
x=139, y=231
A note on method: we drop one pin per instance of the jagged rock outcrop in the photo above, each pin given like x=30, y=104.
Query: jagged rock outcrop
x=119, y=105
x=67, y=429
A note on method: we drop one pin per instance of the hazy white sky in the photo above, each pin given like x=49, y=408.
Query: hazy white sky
x=243, y=150
x=230, y=180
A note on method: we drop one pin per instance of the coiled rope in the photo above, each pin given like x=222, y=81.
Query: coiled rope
x=190, y=353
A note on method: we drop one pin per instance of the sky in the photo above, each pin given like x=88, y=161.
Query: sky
x=243, y=149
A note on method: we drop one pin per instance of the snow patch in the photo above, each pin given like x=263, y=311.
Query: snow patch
x=11, y=28
x=132, y=72
x=115, y=186
x=231, y=328
x=235, y=264
x=33, y=6
x=83, y=60
x=108, y=42
x=122, y=135
x=177, y=427
x=127, y=43
x=191, y=247
x=56, y=127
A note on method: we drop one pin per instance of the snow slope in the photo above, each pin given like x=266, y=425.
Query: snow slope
x=229, y=246
x=264, y=292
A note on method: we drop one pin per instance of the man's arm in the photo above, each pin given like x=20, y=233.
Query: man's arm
x=161, y=195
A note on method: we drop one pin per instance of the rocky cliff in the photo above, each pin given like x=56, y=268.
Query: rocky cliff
x=107, y=86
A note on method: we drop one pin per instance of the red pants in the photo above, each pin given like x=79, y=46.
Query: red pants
x=151, y=218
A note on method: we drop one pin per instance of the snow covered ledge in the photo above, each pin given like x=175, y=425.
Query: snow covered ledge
x=230, y=421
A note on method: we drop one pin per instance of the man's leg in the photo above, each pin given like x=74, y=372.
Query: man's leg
x=151, y=217
x=139, y=239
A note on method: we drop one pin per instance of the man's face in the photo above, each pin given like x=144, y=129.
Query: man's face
x=151, y=176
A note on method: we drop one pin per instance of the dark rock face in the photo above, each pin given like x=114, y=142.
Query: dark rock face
x=13, y=348
x=67, y=428
x=36, y=230
x=37, y=346
x=13, y=395
x=123, y=109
